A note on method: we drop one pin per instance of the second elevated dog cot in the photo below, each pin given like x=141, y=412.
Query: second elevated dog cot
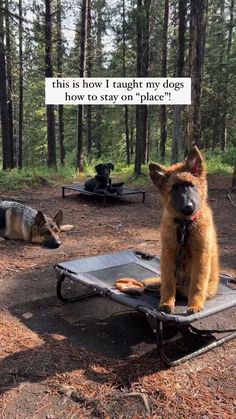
x=80, y=189
x=98, y=275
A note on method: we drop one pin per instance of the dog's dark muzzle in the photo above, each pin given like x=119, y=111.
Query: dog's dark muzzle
x=52, y=244
x=189, y=209
x=185, y=199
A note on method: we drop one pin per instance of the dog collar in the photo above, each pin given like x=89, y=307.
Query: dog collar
x=189, y=220
x=196, y=215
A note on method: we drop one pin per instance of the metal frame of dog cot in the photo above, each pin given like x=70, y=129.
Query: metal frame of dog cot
x=98, y=274
x=126, y=192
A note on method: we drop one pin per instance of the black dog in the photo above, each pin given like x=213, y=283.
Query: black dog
x=101, y=183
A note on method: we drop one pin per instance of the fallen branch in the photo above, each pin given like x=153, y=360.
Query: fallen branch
x=144, y=398
x=230, y=199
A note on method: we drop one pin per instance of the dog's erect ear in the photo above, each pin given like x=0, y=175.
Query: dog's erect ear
x=98, y=167
x=195, y=162
x=58, y=218
x=39, y=219
x=158, y=175
x=111, y=166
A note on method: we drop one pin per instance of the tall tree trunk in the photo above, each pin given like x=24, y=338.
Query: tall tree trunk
x=51, y=136
x=177, y=134
x=98, y=131
x=80, y=108
x=132, y=134
x=163, y=116
x=220, y=75
x=89, y=74
x=145, y=69
x=126, y=110
x=223, y=139
x=6, y=150
x=9, y=84
x=21, y=87
x=138, y=145
x=142, y=28
x=196, y=53
x=233, y=186
x=59, y=74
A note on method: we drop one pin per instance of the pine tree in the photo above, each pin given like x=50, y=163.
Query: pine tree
x=163, y=114
x=196, y=54
x=177, y=134
x=51, y=135
x=59, y=74
x=6, y=147
x=21, y=88
x=79, y=163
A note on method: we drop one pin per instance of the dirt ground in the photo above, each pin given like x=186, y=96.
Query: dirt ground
x=93, y=358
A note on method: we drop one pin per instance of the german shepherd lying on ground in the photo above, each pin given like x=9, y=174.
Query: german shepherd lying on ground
x=19, y=222
x=189, y=256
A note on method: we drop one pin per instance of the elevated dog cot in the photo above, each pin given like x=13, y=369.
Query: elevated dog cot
x=125, y=192
x=98, y=275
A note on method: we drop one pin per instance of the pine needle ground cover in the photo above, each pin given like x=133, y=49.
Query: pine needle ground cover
x=93, y=359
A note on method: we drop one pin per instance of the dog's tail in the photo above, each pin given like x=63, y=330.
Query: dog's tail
x=66, y=227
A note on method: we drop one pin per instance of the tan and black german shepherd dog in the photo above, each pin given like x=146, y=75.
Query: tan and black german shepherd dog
x=192, y=268
x=19, y=222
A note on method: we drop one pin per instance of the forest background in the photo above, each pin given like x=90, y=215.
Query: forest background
x=115, y=38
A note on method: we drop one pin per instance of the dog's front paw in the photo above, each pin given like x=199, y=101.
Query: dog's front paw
x=194, y=309
x=119, y=191
x=166, y=308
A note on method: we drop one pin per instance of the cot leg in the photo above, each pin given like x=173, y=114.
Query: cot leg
x=143, y=197
x=60, y=279
x=190, y=329
x=63, y=192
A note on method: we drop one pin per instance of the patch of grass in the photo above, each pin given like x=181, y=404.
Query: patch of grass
x=217, y=163
x=16, y=179
x=218, y=167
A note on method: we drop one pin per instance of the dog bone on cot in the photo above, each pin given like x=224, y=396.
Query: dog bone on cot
x=132, y=286
x=129, y=286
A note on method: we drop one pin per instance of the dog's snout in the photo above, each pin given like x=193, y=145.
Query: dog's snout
x=52, y=244
x=188, y=209
x=57, y=244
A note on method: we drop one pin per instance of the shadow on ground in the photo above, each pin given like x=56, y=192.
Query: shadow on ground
x=84, y=336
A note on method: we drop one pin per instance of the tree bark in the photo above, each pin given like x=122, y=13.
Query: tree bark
x=98, y=128
x=138, y=145
x=9, y=84
x=89, y=74
x=223, y=139
x=6, y=150
x=21, y=90
x=163, y=115
x=59, y=74
x=196, y=54
x=145, y=70
x=219, y=74
x=233, y=186
x=80, y=109
x=51, y=135
x=126, y=109
x=142, y=67
x=177, y=140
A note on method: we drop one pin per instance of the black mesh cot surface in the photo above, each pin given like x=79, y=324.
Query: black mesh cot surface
x=80, y=189
x=98, y=274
